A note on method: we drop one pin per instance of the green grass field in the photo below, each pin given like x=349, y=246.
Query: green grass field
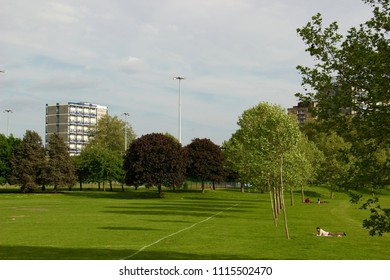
x=187, y=225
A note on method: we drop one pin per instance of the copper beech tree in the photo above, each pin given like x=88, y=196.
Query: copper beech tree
x=155, y=160
x=205, y=161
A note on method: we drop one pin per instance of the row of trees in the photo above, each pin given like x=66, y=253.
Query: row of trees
x=152, y=160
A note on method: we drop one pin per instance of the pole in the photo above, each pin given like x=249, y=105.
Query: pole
x=179, y=78
x=8, y=111
x=126, y=115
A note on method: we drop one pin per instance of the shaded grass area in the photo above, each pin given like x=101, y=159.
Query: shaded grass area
x=221, y=224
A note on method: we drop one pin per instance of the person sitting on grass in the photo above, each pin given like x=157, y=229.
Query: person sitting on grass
x=321, y=232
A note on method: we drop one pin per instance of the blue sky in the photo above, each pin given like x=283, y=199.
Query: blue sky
x=124, y=54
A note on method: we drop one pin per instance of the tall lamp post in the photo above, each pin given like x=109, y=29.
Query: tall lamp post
x=8, y=111
x=126, y=115
x=179, y=78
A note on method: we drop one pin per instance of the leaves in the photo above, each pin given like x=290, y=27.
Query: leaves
x=266, y=133
x=205, y=160
x=349, y=83
x=59, y=170
x=155, y=160
x=28, y=162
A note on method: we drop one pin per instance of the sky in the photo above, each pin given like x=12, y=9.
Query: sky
x=124, y=54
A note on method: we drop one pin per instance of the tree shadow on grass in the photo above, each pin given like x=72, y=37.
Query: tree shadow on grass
x=128, y=228
x=309, y=193
x=114, y=194
x=54, y=253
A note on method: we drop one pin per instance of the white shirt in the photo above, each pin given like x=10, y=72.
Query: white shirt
x=323, y=233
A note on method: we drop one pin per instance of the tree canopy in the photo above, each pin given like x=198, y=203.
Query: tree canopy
x=155, y=160
x=99, y=165
x=110, y=133
x=349, y=84
x=205, y=161
x=7, y=147
x=28, y=162
x=59, y=170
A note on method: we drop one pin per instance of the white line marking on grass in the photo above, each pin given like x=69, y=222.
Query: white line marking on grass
x=177, y=232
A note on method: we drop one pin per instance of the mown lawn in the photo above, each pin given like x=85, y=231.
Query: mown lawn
x=187, y=225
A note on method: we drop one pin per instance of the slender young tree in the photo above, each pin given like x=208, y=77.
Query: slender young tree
x=258, y=148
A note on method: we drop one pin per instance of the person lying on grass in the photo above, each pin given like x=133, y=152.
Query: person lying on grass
x=321, y=232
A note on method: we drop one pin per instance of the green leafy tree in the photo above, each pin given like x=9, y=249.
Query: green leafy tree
x=110, y=134
x=28, y=162
x=100, y=165
x=258, y=148
x=155, y=160
x=350, y=84
x=205, y=161
x=335, y=169
x=81, y=169
x=302, y=163
x=59, y=169
x=7, y=147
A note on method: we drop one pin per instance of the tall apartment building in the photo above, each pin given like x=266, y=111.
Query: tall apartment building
x=301, y=111
x=73, y=122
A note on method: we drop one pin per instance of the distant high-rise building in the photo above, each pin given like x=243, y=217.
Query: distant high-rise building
x=74, y=122
x=301, y=111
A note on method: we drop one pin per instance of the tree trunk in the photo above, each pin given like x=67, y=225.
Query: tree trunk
x=99, y=186
x=81, y=185
x=302, y=194
x=202, y=187
x=282, y=200
x=160, y=193
x=276, y=202
x=213, y=185
x=272, y=204
x=242, y=187
x=291, y=196
x=110, y=185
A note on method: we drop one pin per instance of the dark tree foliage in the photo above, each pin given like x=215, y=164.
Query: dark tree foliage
x=7, y=147
x=28, y=162
x=379, y=220
x=205, y=161
x=155, y=160
x=81, y=170
x=59, y=170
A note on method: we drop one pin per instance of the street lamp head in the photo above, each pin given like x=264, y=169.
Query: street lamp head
x=179, y=78
x=8, y=111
